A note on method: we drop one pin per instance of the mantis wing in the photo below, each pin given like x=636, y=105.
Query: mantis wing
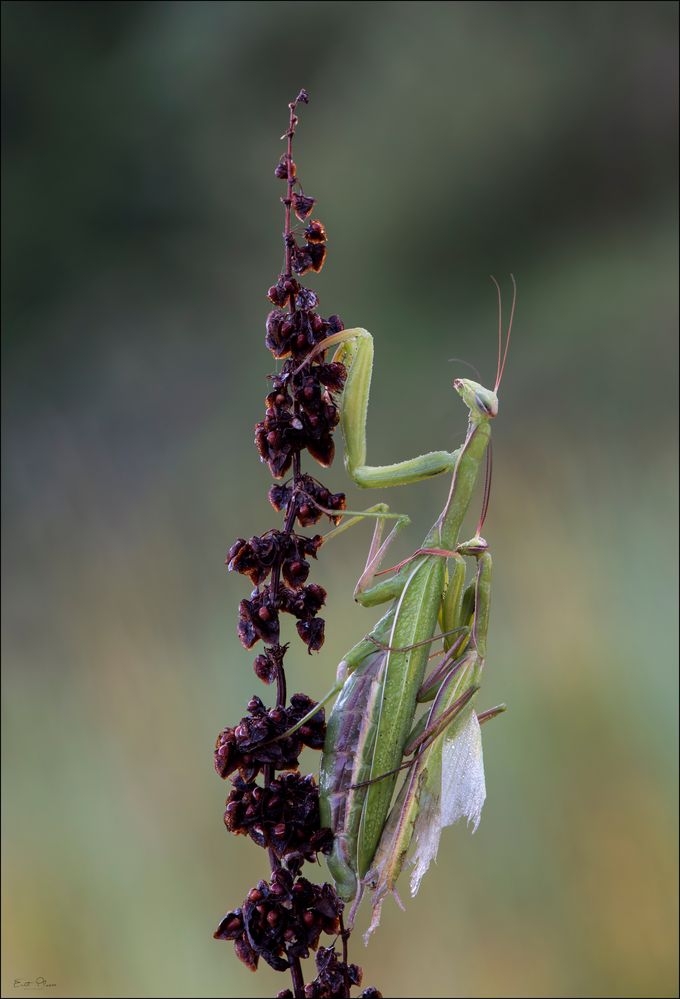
x=454, y=790
x=445, y=783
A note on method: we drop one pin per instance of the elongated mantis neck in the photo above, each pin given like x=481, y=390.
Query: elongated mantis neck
x=463, y=482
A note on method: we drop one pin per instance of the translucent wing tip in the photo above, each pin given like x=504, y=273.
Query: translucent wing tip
x=463, y=792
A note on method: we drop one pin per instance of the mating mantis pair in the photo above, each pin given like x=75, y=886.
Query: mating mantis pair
x=382, y=680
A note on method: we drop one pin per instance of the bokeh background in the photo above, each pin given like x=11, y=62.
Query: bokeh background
x=444, y=142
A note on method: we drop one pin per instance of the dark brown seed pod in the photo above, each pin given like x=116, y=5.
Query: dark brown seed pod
x=302, y=206
x=334, y=976
x=269, y=664
x=259, y=738
x=285, y=169
x=317, y=252
x=283, y=816
x=306, y=300
x=301, y=912
x=258, y=619
x=302, y=258
x=315, y=232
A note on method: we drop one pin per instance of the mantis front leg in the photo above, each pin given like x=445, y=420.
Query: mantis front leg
x=356, y=353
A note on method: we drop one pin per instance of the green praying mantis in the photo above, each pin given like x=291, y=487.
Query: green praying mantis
x=373, y=730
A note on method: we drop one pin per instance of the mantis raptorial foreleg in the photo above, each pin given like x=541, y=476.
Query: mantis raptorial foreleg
x=355, y=351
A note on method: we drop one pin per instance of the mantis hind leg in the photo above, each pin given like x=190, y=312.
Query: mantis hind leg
x=464, y=615
x=450, y=614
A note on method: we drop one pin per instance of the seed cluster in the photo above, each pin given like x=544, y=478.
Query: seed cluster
x=334, y=978
x=282, y=919
x=284, y=817
x=259, y=739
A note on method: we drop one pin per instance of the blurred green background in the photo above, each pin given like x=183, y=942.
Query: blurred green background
x=444, y=142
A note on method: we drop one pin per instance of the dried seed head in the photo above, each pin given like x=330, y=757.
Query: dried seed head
x=258, y=740
x=315, y=232
x=334, y=976
x=306, y=300
x=302, y=206
x=282, y=292
x=302, y=258
x=285, y=169
x=282, y=920
x=258, y=619
x=284, y=818
x=286, y=922
x=312, y=633
x=279, y=496
x=317, y=252
x=266, y=667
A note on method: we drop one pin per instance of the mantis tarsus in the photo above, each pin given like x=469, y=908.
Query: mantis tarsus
x=372, y=725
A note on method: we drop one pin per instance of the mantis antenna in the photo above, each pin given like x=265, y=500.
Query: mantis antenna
x=500, y=368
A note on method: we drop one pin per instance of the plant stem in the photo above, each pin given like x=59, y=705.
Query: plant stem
x=344, y=936
x=288, y=201
x=298, y=980
x=297, y=977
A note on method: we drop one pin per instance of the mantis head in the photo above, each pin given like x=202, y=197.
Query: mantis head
x=482, y=402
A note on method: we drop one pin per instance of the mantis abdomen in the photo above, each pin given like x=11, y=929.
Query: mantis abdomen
x=415, y=622
x=350, y=738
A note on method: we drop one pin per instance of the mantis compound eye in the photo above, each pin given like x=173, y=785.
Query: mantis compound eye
x=487, y=404
x=474, y=547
